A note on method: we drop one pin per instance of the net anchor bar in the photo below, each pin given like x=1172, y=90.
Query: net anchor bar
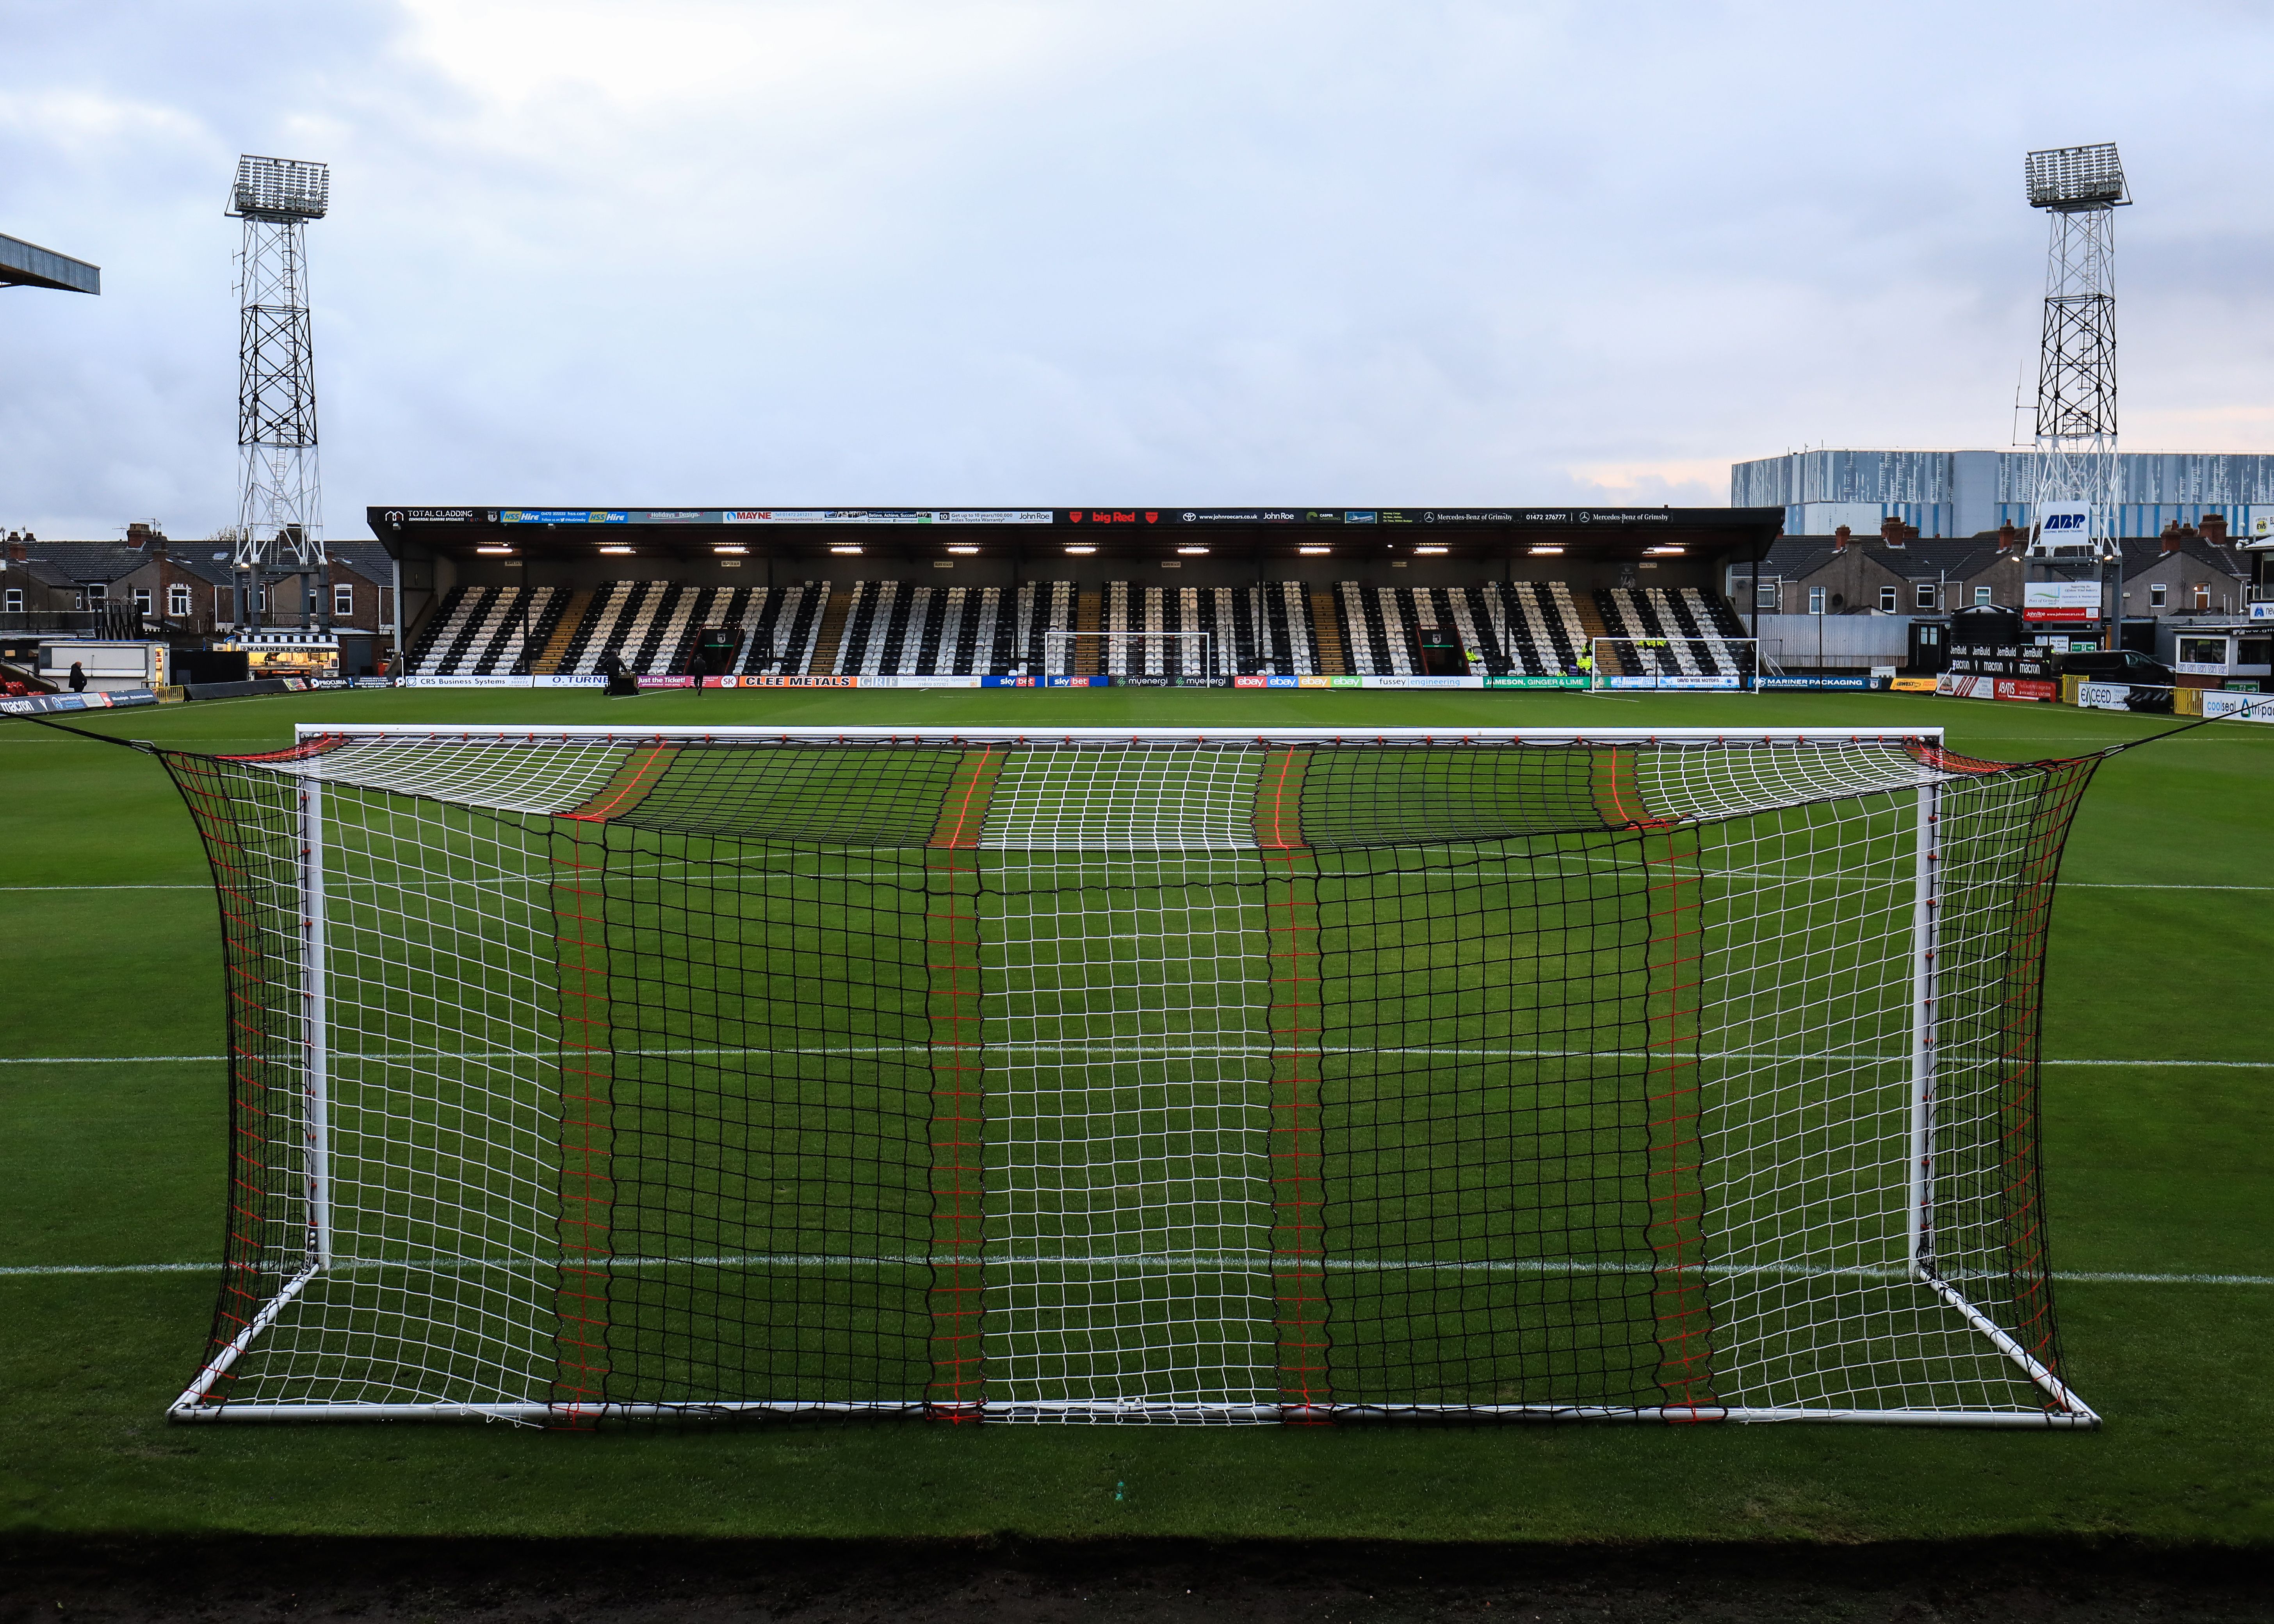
x=191, y=1405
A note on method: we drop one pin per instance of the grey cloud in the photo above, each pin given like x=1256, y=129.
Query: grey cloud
x=1226, y=253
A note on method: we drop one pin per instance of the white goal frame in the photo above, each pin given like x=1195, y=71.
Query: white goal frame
x=1061, y=641
x=1600, y=680
x=314, y=1127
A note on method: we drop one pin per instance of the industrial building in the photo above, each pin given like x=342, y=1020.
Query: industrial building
x=1973, y=493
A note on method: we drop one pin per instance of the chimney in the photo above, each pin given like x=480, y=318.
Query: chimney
x=2008, y=538
x=138, y=534
x=16, y=551
x=1840, y=538
x=2214, y=529
x=2172, y=538
x=1890, y=530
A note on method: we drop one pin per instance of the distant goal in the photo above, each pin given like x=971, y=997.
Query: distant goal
x=1128, y=653
x=1727, y=664
x=1114, y=1076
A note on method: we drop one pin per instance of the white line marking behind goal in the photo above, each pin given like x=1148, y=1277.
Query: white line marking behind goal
x=1260, y=1261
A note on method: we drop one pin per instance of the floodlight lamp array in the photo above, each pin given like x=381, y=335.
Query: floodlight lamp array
x=2073, y=178
x=280, y=188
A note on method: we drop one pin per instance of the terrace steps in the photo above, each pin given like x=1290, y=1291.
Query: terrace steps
x=1327, y=634
x=833, y=633
x=548, y=659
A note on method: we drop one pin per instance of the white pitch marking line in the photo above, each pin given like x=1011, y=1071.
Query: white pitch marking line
x=1203, y=1261
x=1120, y=1052
x=2064, y=885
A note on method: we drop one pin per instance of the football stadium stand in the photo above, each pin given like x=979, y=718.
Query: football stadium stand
x=1681, y=631
x=1510, y=628
x=893, y=628
x=1253, y=630
x=478, y=631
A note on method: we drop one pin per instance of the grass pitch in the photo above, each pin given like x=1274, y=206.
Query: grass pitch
x=2158, y=1168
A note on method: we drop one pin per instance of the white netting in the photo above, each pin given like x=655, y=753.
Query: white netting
x=1134, y=1077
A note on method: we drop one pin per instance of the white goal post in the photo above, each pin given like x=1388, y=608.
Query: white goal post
x=1133, y=1075
x=1725, y=664
x=1160, y=653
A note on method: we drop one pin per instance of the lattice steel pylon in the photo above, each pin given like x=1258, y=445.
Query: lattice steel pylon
x=280, y=500
x=2080, y=188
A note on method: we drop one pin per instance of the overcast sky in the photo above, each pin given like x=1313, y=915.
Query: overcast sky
x=1137, y=252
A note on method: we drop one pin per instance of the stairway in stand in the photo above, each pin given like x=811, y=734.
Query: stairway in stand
x=1327, y=635
x=1089, y=616
x=834, y=614
x=1589, y=617
x=547, y=662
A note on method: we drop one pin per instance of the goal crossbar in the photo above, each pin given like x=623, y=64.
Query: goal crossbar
x=1141, y=1075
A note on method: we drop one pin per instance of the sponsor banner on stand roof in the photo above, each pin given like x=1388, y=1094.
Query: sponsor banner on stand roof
x=887, y=515
x=564, y=515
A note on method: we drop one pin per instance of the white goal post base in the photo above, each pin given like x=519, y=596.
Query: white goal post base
x=1133, y=1075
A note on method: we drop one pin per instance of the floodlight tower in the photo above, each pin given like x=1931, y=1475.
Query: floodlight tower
x=280, y=505
x=2080, y=188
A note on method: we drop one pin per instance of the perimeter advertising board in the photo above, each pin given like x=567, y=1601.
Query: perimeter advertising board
x=1958, y=685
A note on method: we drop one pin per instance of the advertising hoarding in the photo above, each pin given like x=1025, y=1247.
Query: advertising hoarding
x=2057, y=603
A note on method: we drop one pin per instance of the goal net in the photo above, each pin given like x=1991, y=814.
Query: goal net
x=1133, y=1077
x=1675, y=662
x=1125, y=653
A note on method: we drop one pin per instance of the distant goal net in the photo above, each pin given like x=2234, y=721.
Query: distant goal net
x=581, y=1075
x=1728, y=664
x=1128, y=653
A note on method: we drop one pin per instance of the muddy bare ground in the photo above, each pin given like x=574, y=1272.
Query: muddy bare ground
x=486, y=1582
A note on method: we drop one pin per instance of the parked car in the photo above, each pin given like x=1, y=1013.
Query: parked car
x=2150, y=681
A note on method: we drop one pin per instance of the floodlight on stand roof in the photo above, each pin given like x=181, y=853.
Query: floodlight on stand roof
x=2065, y=178
x=280, y=188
